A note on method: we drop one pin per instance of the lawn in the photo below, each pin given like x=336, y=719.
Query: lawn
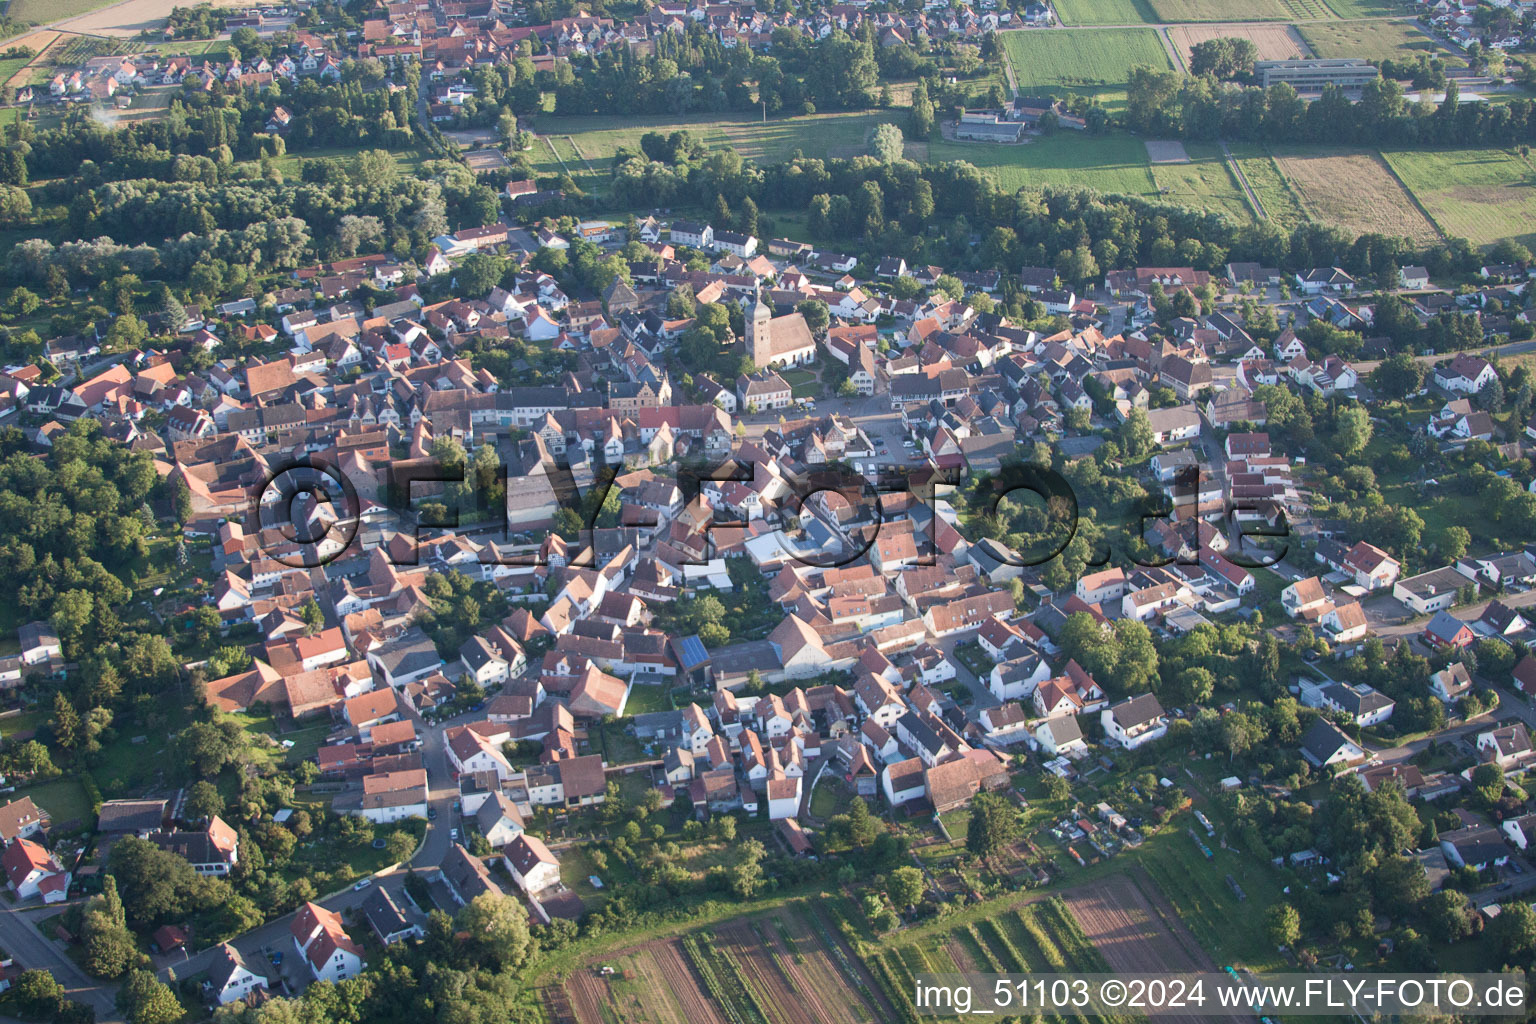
x=831, y=796
x=1093, y=62
x=1109, y=163
x=1104, y=12
x=1371, y=40
x=1205, y=182
x=645, y=698
x=22, y=721
x=1480, y=194
x=1251, y=10
x=1279, y=200
x=64, y=799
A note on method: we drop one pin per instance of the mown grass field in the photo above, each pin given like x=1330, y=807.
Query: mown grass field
x=1203, y=182
x=1354, y=190
x=1090, y=63
x=1109, y=163
x=1275, y=193
x=1248, y=10
x=10, y=67
x=1371, y=40
x=817, y=135
x=1104, y=12
x=1480, y=194
x=407, y=160
x=1369, y=8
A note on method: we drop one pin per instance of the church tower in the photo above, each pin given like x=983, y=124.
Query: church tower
x=759, y=333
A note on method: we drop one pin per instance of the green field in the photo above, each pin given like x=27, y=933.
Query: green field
x=1250, y=10
x=1104, y=12
x=1094, y=62
x=1109, y=163
x=1279, y=201
x=407, y=160
x=1371, y=40
x=1369, y=8
x=1203, y=182
x=12, y=65
x=815, y=135
x=42, y=12
x=1481, y=194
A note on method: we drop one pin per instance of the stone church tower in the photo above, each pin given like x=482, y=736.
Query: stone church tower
x=759, y=332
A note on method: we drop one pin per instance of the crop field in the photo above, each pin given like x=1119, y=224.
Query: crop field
x=1279, y=200
x=785, y=966
x=1096, y=62
x=1104, y=12
x=1204, y=181
x=815, y=135
x=1480, y=194
x=1038, y=937
x=44, y=11
x=1250, y=10
x=1354, y=190
x=1274, y=42
x=1371, y=40
x=1132, y=935
x=1109, y=163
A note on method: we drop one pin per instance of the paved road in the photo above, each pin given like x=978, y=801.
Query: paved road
x=31, y=950
x=442, y=793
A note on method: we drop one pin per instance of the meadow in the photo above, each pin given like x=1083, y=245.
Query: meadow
x=1480, y=194
x=841, y=134
x=1371, y=40
x=1089, y=63
x=1250, y=10
x=1109, y=163
x=1203, y=182
x=1276, y=195
x=1104, y=12
x=1353, y=190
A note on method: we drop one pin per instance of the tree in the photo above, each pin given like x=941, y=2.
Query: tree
x=314, y=618
x=144, y=1000
x=816, y=313
x=108, y=945
x=905, y=886
x=498, y=927
x=37, y=995
x=203, y=801
x=1352, y=431
x=1513, y=933
x=1447, y=915
x=994, y=826
x=1136, y=437
x=156, y=884
x=1398, y=376
x=886, y=144
x=1488, y=782
x=1283, y=924
x=399, y=846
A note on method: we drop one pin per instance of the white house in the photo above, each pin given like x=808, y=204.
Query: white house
x=320, y=939
x=30, y=870
x=1134, y=721
x=532, y=866
x=1061, y=736
x=1016, y=679
x=229, y=978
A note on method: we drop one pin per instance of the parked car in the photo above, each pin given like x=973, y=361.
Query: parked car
x=365, y=883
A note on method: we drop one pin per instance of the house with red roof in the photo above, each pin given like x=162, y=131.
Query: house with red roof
x=324, y=944
x=30, y=870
